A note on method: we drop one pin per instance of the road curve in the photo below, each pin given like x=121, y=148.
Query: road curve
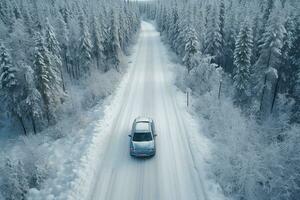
x=171, y=174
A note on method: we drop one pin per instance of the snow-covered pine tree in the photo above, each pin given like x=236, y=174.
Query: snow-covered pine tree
x=74, y=35
x=213, y=40
x=126, y=32
x=7, y=13
x=269, y=5
x=174, y=27
x=242, y=61
x=48, y=80
x=269, y=60
x=8, y=72
x=25, y=15
x=181, y=39
x=231, y=29
x=54, y=49
x=16, y=10
x=168, y=23
x=158, y=17
x=32, y=103
x=98, y=41
x=295, y=63
x=114, y=43
x=51, y=42
x=39, y=175
x=222, y=18
x=192, y=52
x=121, y=30
x=164, y=20
x=105, y=24
x=15, y=184
x=63, y=39
x=200, y=26
x=10, y=93
x=21, y=41
x=85, y=48
x=221, y=58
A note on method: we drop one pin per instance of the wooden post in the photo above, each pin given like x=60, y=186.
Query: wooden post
x=220, y=88
x=187, y=98
x=188, y=91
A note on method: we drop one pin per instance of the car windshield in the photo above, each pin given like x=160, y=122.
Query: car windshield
x=142, y=137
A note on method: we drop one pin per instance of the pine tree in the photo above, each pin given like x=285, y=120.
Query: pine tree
x=285, y=84
x=114, y=43
x=10, y=87
x=54, y=49
x=267, y=12
x=192, y=53
x=242, y=61
x=222, y=24
x=51, y=42
x=174, y=27
x=31, y=105
x=97, y=38
x=267, y=66
x=271, y=43
x=63, y=38
x=20, y=41
x=181, y=37
x=16, y=184
x=222, y=18
x=7, y=13
x=295, y=64
x=106, y=39
x=200, y=27
x=121, y=31
x=231, y=30
x=213, y=37
x=16, y=10
x=127, y=33
x=47, y=78
x=85, y=49
x=7, y=71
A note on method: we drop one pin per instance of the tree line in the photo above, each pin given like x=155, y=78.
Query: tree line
x=256, y=43
x=47, y=45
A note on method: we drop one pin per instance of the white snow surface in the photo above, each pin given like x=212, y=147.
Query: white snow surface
x=180, y=168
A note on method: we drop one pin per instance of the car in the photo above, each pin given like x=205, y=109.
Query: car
x=142, y=137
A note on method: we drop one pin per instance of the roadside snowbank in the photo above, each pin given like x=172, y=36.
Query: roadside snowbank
x=75, y=177
x=201, y=146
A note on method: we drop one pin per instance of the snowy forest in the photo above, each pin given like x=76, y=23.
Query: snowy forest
x=242, y=64
x=239, y=60
x=57, y=59
x=48, y=45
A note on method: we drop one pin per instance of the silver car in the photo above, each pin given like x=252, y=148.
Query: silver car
x=142, y=137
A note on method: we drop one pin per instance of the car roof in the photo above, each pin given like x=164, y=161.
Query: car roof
x=143, y=119
x=142, y=126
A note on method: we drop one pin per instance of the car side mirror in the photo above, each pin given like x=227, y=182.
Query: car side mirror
x=129, y=135
x=155, y=135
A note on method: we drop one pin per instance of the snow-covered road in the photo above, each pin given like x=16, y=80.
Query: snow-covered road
x=172, y=174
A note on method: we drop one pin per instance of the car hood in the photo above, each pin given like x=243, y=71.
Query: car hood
x=140, y=146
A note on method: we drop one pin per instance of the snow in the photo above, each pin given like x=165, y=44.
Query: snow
x=142, y=126
x=76, y=168
x=178, y=171
x=93, y=162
